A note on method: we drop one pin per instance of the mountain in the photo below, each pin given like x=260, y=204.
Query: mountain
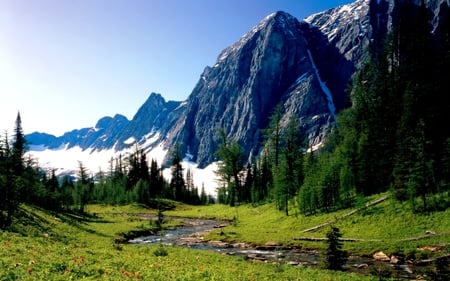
x=116, y=132
x=304, y=65
x=269, y=65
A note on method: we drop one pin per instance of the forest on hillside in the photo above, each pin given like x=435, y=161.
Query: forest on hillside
x=391, y=138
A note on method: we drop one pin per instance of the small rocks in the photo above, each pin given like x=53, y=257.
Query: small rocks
x=219, y=244
x=257, y=257
x=361, y=265
x=380, y=256
x=394, y=260
x=268, y=246
x=220, y=225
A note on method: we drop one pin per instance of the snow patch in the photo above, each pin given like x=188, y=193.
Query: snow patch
x=39, y=147
x=315, y=147
x=130, y=140
x=301, y=78
x=65, y=161
x=324, y=87
x=205, y=177
x=182, y=104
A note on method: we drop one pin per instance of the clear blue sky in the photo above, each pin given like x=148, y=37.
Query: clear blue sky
x=66, y=63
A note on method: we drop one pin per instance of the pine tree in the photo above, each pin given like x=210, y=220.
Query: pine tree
x=248, y=184
x=308, y=195
x=273, y=134
x=141, y=192
x=18, y=147
x=156, y=180
x=12, y=168
x=230, y=155
x=289, y=174
x=177, y=183
x=83, y=188
x=203, y=196
x=334, y=257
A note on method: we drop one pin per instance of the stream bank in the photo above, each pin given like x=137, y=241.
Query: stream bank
x=193, y=231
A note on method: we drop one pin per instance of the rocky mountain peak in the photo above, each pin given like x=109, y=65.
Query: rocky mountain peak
x=249, y=79
x=280, y=20
x=304, y=65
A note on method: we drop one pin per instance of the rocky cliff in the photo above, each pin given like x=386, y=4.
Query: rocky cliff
x=269, y=65
x=305, y=66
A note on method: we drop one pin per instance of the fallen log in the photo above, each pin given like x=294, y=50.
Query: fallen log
x=340, y=239
x=378, y=201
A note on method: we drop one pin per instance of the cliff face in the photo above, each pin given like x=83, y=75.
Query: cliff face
x=269, y=65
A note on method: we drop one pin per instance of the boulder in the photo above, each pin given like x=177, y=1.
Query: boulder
x=380, y=256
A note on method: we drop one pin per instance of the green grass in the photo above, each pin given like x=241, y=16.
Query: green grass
x=67, y=246
x=385, y=226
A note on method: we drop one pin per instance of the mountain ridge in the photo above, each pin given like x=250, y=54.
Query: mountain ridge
x=304, y=65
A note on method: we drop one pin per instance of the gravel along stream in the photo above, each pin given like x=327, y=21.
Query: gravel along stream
x=193, y=230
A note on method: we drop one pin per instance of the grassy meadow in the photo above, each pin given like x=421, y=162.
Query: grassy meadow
x=390, y=227
x=66, y=246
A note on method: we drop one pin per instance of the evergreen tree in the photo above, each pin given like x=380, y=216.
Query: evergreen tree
x=177, y=184
x=289, y=174
x=67, y=187
x=231, y=164
x=421, y=179
x=308, y=199
x=334, y=257
x=9, y=194
x=18, y=147
x=83, y=188
x=156, y=180
x=12, y=167
x=248, y=184
x=203, y=196
x=141, y=192
x=273, y=134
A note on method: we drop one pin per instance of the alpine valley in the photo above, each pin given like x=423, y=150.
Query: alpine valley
x=304, y=65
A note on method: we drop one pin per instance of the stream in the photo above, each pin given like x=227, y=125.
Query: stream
x=193, y=230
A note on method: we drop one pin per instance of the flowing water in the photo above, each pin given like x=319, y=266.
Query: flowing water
x=192, y=232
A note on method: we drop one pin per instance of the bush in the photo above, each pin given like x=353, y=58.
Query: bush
x=160, y=252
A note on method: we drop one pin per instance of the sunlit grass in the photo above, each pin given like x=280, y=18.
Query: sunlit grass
x=59, y=246
x=384, y=227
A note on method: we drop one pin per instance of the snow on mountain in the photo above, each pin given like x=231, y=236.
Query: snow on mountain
x=304, y=65
x=324, y=87
x=65, y=161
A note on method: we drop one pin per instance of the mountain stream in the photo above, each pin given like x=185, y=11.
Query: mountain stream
x=193, y=230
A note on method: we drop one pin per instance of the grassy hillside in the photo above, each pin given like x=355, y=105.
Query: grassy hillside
x=389, y=226
x=51, y=246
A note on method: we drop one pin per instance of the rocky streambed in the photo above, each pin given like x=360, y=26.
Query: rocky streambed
x=193, y=231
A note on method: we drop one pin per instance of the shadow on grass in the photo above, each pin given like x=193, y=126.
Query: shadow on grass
x=29, y=222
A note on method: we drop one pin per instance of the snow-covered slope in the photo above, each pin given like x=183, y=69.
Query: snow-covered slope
x=65, y=161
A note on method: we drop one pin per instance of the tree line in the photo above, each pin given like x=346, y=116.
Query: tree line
x=128, y=180
x=393, y=137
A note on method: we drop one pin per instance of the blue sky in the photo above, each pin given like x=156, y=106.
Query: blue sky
x=64, y=64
